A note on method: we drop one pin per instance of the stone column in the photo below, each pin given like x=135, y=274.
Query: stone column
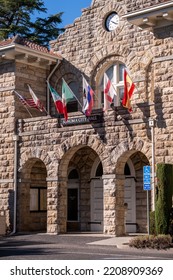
x=52, y=205
x=113, y=190
x=109, y=198
x=120, y=207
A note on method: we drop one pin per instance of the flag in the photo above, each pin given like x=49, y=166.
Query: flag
x=26, y=102
x=88, y=98
x=37, y=101
x=67, y=96
x=129, y=88
x=109, y=93
x=57, y=100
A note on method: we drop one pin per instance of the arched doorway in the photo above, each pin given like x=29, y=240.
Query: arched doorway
x=134, y=194
x=97, y=197
x=80, y=170
x=130, y=197
x=32, y=197
x=73, y=201
x=129, y=189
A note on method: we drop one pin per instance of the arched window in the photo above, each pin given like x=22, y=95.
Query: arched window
x=115, y=74
x=72, y=106
x=99, y=171
x=127, y=170
x=73, y=174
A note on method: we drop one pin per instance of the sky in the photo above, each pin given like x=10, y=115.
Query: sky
x=71, y=8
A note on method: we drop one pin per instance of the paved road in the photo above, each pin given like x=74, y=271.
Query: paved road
x=71, y=247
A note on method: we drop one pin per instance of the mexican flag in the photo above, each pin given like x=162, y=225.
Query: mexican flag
x=67, y=96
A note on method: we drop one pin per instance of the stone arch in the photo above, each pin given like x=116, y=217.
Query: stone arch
x=79, y=152
x=113, y=51
x=67, y=71
x=139, y=156
x=74, y=143
x=127, y=149
x=48, y=158
x=32, y=196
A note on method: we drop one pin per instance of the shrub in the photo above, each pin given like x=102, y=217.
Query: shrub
x=151, y=241
x=152, y=223
x=163, y=197
x=171, y=223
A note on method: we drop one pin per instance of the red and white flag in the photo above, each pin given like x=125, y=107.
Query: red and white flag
x=109, y=93
x=36, y=100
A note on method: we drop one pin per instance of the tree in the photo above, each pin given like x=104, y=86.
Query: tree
x=15, y=18
x=163, y=197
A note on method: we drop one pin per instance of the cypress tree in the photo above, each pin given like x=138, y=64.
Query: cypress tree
x=163, y=197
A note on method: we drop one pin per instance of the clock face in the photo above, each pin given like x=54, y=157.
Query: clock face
x=112, y=21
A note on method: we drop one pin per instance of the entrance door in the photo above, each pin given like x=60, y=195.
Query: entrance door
x=72, y=212
x=130, y=199
x=73, y=206
x=96, y=205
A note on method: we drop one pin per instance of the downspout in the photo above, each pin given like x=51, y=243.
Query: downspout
x=48, y=79
x=15, y=138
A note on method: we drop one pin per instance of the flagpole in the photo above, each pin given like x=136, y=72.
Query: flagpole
x=28, y=111
x=72, y=93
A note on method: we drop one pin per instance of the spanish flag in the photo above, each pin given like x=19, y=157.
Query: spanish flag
x=129, y=88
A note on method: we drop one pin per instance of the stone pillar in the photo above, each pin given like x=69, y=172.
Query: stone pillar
x=114, y=214
x=52, y=205
x=120, y=209
x=109, y=198
x=62, y=205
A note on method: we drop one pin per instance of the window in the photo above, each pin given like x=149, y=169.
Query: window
x=99, y=171
x=127, y=169
x=73, y=174
x=72, y=106
x=115, y=74
x=38, y=199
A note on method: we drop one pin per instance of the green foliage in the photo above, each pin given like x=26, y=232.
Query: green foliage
x=152, y=242
x=171, y=223
x=152, y=223
x=163, y=197
x=15, y=18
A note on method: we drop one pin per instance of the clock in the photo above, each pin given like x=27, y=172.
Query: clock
x=112, y=21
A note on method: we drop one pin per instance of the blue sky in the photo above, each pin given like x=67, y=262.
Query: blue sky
x=71, y=8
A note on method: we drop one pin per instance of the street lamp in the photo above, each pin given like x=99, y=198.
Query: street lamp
x=152, y=125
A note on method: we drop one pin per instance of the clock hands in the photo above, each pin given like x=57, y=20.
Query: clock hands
x=114, y=22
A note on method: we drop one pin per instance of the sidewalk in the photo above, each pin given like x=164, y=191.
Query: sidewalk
x=123, y=243
x=119, y=242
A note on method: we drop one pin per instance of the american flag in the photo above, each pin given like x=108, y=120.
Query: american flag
x=36, y=100
x=26, y=102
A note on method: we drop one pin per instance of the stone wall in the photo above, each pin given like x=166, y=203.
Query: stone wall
x=7, y=124
x=143, y=4
x=61, y=144
x=34, y=76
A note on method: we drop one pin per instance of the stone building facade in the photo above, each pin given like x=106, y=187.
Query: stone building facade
x=86, y=174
